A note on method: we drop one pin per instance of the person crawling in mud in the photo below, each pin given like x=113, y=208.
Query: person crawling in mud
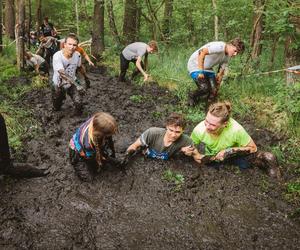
x=163, y=143
x=227, y=142
x=7, y=167
x=92, y=146
x=64, y=81
x=134, y=53
x=200, y=67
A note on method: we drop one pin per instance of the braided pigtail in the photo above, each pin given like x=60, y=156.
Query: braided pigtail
x=104, y=125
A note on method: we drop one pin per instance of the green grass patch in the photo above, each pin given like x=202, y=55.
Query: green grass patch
x=173, y=178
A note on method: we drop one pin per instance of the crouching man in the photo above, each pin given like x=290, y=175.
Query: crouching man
x=227, y=142
x=65, y=64
x=162, y=143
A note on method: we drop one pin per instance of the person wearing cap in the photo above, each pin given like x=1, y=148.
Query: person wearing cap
x=200, y=66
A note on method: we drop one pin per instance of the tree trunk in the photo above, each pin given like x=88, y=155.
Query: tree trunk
x=112, y=23
x=98, y=27
x=167, y=19
x=1, y=42
x=20, y=32
x=130, y=21
x=9, y=21
x=273, y=50
x=38, y=14
x=77, y=17
x=29, y=23
x=216, y=20
x=258, y=28
x=292, y=52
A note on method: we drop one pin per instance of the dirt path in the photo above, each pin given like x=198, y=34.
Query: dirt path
x=213, y=209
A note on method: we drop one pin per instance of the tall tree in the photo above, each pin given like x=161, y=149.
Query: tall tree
x=292, y=47
x=168, y=11
x=216, y=20
x=112, y=23
x=98, y=29
x=130, y=21
x=77, y=17
x=258, y=28
x=1, y=7
x=28, y=23
x=20, y=32
x=9, y=21
x=39, y=18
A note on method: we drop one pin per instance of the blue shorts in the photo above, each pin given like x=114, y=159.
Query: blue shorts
x=209, y=74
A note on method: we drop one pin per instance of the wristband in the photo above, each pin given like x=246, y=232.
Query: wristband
x=228, y=150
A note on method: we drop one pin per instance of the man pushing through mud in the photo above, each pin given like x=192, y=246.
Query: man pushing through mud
x=65, y=65
x=225, y=141
x=162, y=143
x=134, y=53
x=200, y=67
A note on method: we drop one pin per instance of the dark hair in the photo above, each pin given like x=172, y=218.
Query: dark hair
x=221, y=110
x=104, y=125
x=72, y=36
x=46, y=19
x=239, y=44
x=175, y=119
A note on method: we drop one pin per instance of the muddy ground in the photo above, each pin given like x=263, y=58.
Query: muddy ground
x=212, y=209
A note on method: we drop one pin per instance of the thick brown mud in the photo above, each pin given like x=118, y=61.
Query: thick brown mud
x=211, y=209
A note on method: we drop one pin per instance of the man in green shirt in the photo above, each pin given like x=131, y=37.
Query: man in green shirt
x=162, y=143
x=227, y=141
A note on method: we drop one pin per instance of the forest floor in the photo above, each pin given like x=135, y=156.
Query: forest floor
x=208, y=209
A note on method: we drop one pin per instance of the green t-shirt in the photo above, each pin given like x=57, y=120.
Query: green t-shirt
x=233, y=135
x=153, y=138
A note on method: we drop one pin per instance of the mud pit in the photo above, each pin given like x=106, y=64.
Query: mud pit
x=213, y=209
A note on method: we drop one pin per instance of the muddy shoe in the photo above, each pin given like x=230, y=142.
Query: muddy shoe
x=87, y=83
x=25, y=170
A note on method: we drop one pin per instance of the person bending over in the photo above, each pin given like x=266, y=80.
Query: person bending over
x=37, y=63
x=134, y=53
x=226, y=141
x=162, y=143
x=92, y=145
x=200, y=67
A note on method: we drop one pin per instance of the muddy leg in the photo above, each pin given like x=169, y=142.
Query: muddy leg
x=202, y=92
x=124, y=64
x=4, y=147
x=76, y=98
x=58, y=96
x=268, y=162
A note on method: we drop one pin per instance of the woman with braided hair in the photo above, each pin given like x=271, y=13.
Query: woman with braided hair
x=92, y=145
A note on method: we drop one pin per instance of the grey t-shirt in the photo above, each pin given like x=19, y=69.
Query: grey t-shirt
x=68, y=65
x=133, y=50
x=216, y=56
x=153, y=138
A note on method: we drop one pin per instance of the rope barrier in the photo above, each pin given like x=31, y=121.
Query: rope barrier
x=7, y=45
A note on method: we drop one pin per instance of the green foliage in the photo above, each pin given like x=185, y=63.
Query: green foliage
x=136, y=98
x=174, y=178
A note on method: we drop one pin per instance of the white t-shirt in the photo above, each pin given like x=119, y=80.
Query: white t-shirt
x=68, y=65
x=35, y=60
x=216, y=56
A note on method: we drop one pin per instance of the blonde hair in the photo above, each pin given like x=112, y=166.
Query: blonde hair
x=221, y=110
x=153, y=45
x=104, y=125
